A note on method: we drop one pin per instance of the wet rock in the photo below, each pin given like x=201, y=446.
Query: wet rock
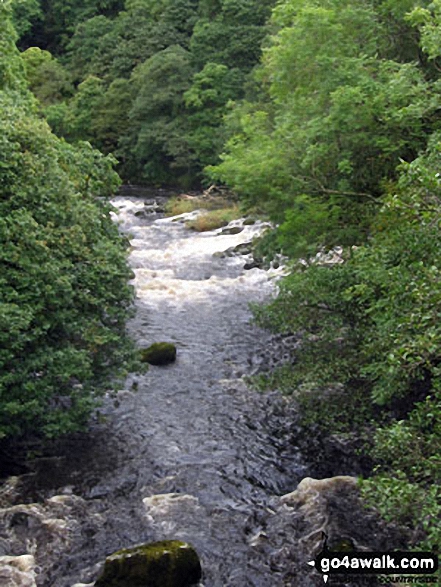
x=8, y=490
x=333, y=512
x=17, y=571
x=150, y=207
x=321, y=512
x=276, y=350
x=169, y=563
x=312, y=499
x=251, y=265
x=249, y=221
x=231, y=230
x=46, y=531
x=159, y=353
x=243, y=249
x=240, y=249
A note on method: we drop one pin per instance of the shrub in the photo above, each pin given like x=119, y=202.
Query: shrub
x=63, y=271
x=371, y=331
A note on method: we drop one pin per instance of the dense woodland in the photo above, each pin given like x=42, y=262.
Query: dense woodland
x=323, y=115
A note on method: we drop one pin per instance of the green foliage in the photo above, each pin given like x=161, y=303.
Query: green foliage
x=88, y=45
x=61, y=17
x=25, y=13
x=206, y=104
x=110, y=43
x=233, y=36
x=372, y=339
x=428, y=21
x=12, y=72
x=112, y=48
x=402, y=502
x=65, y=298
x=157, y=144
x=48, y=79
x=337, y=118
x=83, y=108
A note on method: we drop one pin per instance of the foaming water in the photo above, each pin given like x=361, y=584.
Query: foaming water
x=185, y=451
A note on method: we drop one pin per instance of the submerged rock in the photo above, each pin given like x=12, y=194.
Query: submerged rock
x=169, y=563
x=159, y=353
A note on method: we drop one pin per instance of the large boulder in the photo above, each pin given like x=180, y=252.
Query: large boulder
x=169, y=563
x=159, y=353
x=330, y=511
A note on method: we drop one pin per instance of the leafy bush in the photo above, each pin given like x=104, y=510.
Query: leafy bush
x=63, y=271
x=372, y=345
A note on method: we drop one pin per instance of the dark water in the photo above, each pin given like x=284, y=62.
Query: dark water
x=185, y=451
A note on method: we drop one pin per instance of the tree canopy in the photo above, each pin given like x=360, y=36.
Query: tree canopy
x=64, y=292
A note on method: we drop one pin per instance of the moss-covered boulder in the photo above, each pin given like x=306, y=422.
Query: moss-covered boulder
x=159, y=353
x=169, y=563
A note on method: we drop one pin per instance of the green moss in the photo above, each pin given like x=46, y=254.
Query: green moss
x=169, y=563
x=159, y=353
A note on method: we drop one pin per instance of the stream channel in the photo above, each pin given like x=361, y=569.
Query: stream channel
x=186, y=451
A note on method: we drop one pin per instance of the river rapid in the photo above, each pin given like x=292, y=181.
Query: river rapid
x=186, y=451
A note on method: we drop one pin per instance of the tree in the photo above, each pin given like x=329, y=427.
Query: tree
x=371, y=343
x=12, y=71
x=62, y=17
x=25, y=13
x=156, y=140
x=233, y=35
x=337, y=119
x=48, y=79
x=206, y=103
x=64, y=292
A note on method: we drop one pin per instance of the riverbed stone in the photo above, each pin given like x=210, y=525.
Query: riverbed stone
x=333, y=514
x=159, y=353
x=17, y=571
x=230, y=230
x=169, y=563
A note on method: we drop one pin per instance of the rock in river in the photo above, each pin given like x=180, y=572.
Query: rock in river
x=17, y=571
x=169, y=563
x=159, y=353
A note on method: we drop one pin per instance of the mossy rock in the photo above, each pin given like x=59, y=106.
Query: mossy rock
x=159, y=353
x=169, y=563
x=232, y=230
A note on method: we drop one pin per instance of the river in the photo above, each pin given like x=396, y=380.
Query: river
x=186, y=451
